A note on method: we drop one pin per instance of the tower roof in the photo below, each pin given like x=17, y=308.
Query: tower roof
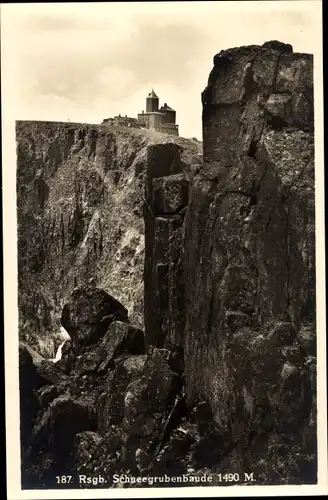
x=152, y=94
x=167, y=108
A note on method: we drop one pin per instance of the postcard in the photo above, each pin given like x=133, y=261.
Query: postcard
x=164, y=258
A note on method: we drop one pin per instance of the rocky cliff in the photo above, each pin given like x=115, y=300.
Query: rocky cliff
x=249, y=255
x=238, y=272
x=80, y=194
x=223, y=377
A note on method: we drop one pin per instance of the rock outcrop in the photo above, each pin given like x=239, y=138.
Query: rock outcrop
x=166, y=200
x=88, y=314
x=245, y=254
x=223, y=379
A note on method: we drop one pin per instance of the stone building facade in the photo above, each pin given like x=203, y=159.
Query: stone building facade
x=161, y=119
x=123, y=121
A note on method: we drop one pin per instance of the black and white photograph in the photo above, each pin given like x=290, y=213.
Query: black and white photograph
x=164, y=249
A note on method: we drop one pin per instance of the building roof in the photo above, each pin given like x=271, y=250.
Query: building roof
x=167, y=108
x=152, y=94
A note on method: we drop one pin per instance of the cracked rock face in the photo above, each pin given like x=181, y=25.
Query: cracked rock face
x=239, y=265
x=249, y=248
x=166, y=200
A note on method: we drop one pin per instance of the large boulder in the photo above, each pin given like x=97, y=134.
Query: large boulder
x=110, y=405
x=88, y=314
x=51, y=372
x=54, y=434
x=148, y=402
x=120, y=339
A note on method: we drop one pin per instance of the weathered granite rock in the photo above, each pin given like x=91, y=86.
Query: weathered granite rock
x=307, y=339
x=86, y=444
x=249, y=246
x=167, y=193
x=51, y=373
x=148, y=403
x=276, y=45
x=120, y=338
x=96, y=457
x=88, y=314
x=87, y=362
x=110, y=405
x=244, y=256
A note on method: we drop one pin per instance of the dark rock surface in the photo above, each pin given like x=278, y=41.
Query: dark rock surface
x=223, y=380
x=110, y=406
x=166, y=199
x=250, y=253
x=88, y=314
x=29, y=383
x=243, y=296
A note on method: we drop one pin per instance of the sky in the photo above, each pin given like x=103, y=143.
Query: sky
x=84, y=62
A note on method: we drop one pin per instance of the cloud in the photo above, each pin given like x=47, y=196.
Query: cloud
x=56, y=23
x=152, y=51
x=83, y=70
x=105, y=57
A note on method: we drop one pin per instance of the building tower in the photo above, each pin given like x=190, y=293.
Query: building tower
x=169, y=113
x=152, y=102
